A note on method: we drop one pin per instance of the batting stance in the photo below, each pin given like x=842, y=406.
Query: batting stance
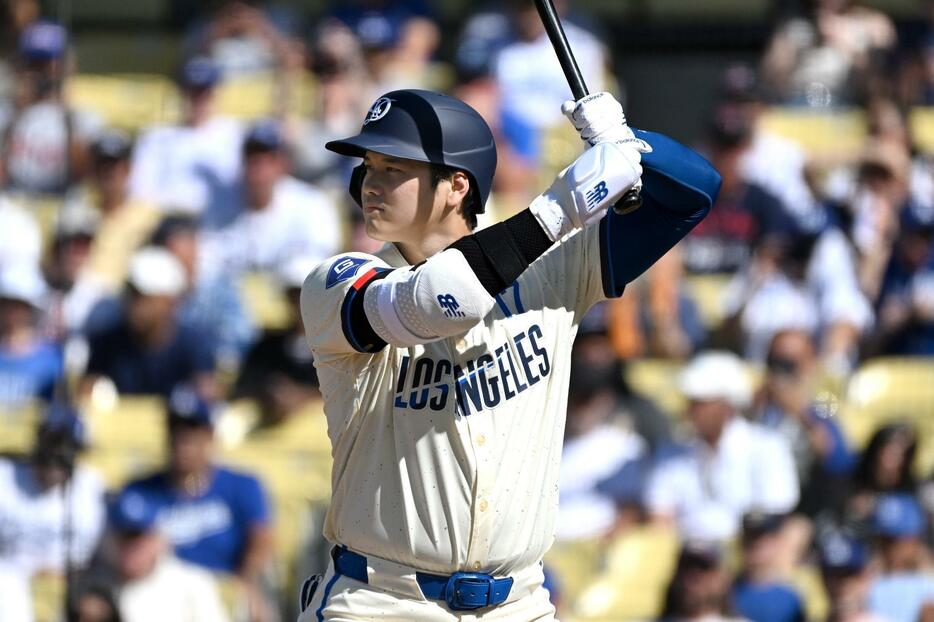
x=443, y=359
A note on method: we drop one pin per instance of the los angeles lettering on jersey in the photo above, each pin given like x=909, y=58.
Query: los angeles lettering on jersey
x=482, y=383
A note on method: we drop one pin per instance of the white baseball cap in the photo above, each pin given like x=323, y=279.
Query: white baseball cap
x=23, y=283
x=154, y=271
x=292, y=273
x=716, y=375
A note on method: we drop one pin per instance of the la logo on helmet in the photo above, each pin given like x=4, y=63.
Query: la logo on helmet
x=378, y=110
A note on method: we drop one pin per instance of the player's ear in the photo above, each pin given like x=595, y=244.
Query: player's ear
x=460, y=186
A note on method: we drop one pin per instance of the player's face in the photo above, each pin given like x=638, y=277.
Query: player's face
x=399, y=202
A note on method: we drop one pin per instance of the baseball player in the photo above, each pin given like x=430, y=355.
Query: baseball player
x=443, y=359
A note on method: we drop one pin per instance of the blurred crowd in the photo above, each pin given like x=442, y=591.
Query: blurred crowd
x=133, y=285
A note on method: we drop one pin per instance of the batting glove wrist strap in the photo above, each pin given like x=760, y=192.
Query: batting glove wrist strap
x=584, y=191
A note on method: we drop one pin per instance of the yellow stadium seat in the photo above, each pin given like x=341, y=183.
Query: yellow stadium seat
x=260, y=96
x=887, y=390
x=575, y=563
x=265, y=300
x=639, y=565
x=707, y=290
x=657, y=379
x=48, y=597
x=921, y=126
x=18, y=429
x=807, y=582
x=129, y=101
x=838, y=132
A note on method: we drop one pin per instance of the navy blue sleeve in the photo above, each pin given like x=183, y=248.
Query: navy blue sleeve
x=678, y=189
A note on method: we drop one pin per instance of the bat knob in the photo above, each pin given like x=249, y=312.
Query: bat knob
x=630, y=202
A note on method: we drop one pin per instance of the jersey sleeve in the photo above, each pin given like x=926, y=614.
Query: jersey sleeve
x=326, y=300
x=573, y=272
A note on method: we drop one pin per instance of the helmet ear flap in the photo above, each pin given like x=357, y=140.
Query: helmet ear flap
x=356, y=184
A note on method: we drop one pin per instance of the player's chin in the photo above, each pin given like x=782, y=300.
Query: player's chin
x=377, y=228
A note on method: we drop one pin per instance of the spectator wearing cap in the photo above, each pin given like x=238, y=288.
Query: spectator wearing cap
x=212, y=516
x=125, y=222
x=147, y=350
x=844, y=565
x=787, y=404
x=279, y=372
x=212, y=300
x=30, y=366
x=281, y=218
x=761, y=592
x=52, y=510
x=398, y=38
x=43, y=139
x=729, y=466
x=902, y=591
x=905, y=305
x=192, y=167
x=153, y=584
x=700, y=587
x=601, y=496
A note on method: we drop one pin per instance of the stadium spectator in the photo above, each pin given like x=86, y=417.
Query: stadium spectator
x=245, y=38
x=281, y=217
x=194, y=166
x=147, y=350
x=43, y=139
x=729, y=466
x=16, y=604
x=30, y=366
x=125, y=222
x=279, y=372
x=787, y=403
x=340, y=104
x=906, y=299
x=92, y=602
x=885, y=467
x=903, y=591
x=52, y=511
x=599, y=496
x=769, y=161
x=399, y=39
x=761, y=593
x=844, y=564
x=744, y=213
x=20, y=238
x=530, y=79
x=214, y=517
x=153, y=584
x=831, y=55
x=700, y=587
x=211, y=300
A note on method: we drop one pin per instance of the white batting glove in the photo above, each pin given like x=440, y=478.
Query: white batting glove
x=584, y=191
x=599, y=118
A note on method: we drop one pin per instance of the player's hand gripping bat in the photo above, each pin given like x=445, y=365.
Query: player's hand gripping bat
x=546, y=10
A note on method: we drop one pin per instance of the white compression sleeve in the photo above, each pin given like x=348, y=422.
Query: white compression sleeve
x=441, y=298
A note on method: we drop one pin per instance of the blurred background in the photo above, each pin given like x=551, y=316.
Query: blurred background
x=761, y=401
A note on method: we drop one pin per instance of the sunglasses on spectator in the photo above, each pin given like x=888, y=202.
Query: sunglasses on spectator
x=782, y=365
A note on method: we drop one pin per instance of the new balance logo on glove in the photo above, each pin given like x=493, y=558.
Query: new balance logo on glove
x=597, y=194
x=450, y=305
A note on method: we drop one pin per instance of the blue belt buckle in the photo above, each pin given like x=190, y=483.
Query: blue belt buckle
x=466, y=591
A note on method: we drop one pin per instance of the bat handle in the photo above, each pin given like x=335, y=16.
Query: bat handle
x=630, y=202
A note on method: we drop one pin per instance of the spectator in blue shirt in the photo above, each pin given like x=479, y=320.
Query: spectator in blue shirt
x=760, y=593
x=788, y=403
x=844, y=563
x=30, y=367
x=214, y=517
x=148, y=350
x=901, y=592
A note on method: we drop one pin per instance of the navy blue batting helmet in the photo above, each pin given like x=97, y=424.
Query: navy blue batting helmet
x=427, y=127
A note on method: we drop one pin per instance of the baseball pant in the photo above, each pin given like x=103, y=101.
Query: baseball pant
x=393, y=594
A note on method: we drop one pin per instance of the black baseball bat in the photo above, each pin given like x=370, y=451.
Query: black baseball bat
x=546, y=10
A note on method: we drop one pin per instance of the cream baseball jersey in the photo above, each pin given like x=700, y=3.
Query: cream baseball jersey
x=446, y=454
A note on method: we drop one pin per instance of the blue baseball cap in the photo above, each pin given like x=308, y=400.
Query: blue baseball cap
x=840, y=553
x=132, y=513
x=264, y=135
x=898, y=515
x=43, y=41
x=188, y=408
x=198, y=73
x=377, y=31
